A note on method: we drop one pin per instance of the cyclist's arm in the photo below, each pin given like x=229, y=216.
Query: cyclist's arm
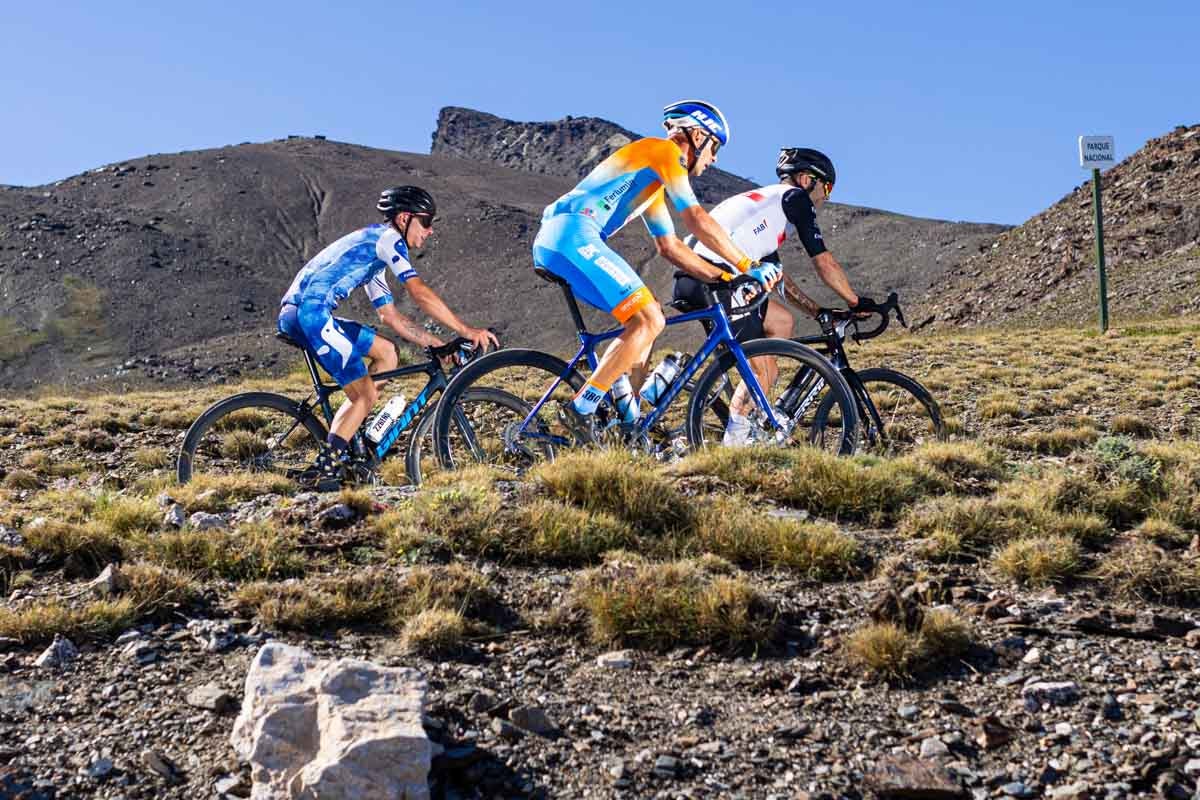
x=831, y=272
x=710, y=233
x=406, y=327
x=668, y=164
x=429, y=302
x=683, y=257
x=798, y=208
x=794, y=295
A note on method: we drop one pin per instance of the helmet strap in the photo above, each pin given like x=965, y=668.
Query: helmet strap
x=696, y=148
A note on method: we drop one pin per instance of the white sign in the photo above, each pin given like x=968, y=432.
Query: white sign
x=1097, y=152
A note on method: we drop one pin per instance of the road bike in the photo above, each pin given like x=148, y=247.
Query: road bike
x=541, y=381
x=268, y=432
x=895, y=412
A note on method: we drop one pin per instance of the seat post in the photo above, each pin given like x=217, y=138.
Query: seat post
x=574, y=307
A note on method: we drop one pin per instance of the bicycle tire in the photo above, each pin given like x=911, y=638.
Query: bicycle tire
x=222, y=409
x=478, y=370
x=836, y=389
x=935, y=425
x=423, y=432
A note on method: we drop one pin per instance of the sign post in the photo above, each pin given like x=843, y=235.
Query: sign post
x=1096, y=152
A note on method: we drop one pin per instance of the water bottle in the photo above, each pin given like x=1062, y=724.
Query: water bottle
x=658, y=381
x=384, y=420
x=625, y=400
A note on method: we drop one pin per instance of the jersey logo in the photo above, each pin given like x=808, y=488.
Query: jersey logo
x=760, y=227
x=395, y=259
x=755, y=196
x=334, y=337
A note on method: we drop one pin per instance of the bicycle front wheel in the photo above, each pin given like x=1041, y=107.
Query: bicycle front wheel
x=505, y=434
x=796, y=381
x=477, y=424
x=896, y=413
x=251, y=432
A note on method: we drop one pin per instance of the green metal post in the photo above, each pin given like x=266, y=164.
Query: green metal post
x=1099, y=208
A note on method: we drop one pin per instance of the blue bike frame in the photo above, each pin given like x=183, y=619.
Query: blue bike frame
x=721, y=335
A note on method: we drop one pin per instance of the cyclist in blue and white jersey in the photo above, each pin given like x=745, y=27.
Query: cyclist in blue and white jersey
x=363, y=258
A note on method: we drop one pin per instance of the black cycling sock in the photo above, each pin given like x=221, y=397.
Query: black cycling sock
x=336, y=443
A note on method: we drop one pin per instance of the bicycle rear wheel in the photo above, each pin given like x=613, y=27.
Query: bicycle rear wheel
x=906, y=415
x=805, y=380
x=506, y=440
x=251, y=432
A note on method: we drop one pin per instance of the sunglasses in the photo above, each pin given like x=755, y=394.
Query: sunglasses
x=708, y=139
x=816, y=180
x=425, y=219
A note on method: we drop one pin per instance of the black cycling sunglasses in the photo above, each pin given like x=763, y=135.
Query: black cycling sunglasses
x=425, y=219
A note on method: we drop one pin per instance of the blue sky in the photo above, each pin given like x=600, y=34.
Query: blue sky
x=950, y=110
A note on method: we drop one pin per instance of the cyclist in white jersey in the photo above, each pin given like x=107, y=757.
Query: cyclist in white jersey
x=363, y=258
x=759, y=221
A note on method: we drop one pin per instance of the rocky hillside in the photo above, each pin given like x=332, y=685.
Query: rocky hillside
x=1044, y=270
x=568, y=147
x=182, y=258
x=169, y=267
x=1011, y=614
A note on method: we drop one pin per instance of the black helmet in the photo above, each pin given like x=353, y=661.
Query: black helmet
x=406, y=198
x=802, y=159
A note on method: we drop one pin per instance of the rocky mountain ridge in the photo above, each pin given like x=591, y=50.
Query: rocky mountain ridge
x=169, y=267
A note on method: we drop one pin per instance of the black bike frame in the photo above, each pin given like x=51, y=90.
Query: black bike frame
x=358, y=444
x=721, y=334
x=830, y=345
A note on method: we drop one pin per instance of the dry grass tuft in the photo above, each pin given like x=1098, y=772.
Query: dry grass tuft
x=1056, y=442
x=968, y=466
x=617, y=483
x=453, y=587
x=973, y=526
x=1130, y=425
x=1140, y=569
x=551, y=532
x=151, y=457
x=216, y=493
x=21, y=479
x=86, y=546
x=95, y=440
x=39, y=623
x=435, y=633
x=1163, y=533
x=886, y=650
x=1039, y=560
x=253, y=551
x=732, y=529
x=317, y=605
x=664, y=605
x=863, y=487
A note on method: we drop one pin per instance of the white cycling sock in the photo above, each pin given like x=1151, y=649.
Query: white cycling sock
x=737, y=431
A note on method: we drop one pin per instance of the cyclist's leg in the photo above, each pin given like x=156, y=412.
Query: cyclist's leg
x=746, y=327
x=572, y=249
x=383, y=357
x=340, y=346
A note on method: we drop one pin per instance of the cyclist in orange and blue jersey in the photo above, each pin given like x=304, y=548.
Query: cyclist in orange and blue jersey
x=637, y=180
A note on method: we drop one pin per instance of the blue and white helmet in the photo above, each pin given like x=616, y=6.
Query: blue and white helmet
x=697, y=114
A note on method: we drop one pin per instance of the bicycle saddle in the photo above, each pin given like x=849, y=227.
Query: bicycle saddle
x=547, y=275
x=283, y=337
